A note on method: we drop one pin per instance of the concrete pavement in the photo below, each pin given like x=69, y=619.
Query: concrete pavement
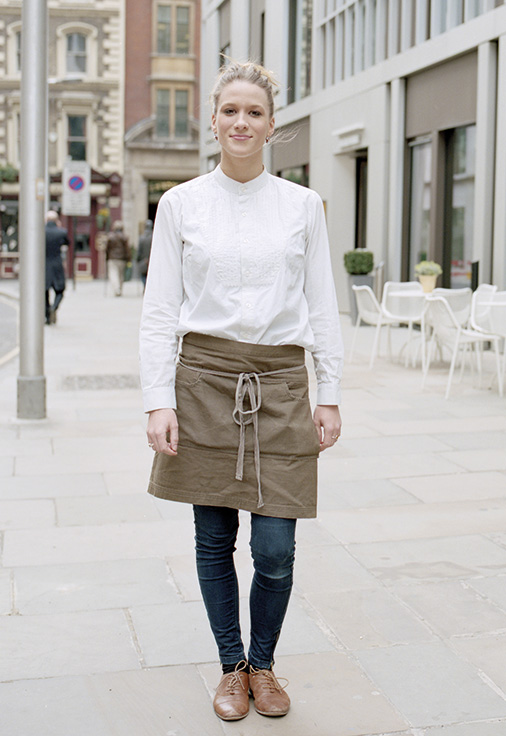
x=397, y=624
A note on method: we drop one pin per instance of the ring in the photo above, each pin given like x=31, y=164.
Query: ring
x=150, y=444
x=334, y=437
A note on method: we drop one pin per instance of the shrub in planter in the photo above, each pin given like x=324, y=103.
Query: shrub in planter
x=359, y=263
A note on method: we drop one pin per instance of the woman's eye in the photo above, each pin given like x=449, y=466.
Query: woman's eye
x=256, y=113
x=229, y=111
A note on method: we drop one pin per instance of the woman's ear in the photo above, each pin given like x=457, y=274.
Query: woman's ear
x=272, y=125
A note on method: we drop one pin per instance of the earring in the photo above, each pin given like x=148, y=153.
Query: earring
x=267, y=140
x=215, y=136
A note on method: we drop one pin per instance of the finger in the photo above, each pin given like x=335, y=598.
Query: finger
x=173, y=437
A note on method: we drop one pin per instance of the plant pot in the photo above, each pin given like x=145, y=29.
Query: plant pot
x=428, y=281
x=357, y=279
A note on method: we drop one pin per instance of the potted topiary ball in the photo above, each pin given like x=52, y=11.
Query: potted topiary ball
x=359, y=264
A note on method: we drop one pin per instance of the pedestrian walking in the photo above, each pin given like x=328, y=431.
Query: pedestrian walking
x=56, y=240
x=117, y=254
x=144, y=249
x=240, y=273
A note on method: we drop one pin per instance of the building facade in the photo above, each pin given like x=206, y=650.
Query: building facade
x=399, y=110
x=162, y=58
x=86, y=87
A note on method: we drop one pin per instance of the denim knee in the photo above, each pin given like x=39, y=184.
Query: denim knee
x=273, y=547
x=215, y=530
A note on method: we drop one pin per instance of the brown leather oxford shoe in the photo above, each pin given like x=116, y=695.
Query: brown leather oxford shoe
x=231, y=702
x=270, y=697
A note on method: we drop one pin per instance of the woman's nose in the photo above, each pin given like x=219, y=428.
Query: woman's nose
x=241, y=121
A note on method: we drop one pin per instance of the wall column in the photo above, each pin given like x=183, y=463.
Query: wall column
x=486, y=111
x=396, y=178
x=499, y=251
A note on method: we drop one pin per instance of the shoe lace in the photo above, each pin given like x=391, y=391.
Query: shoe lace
x=268, y=680
x=234, y=681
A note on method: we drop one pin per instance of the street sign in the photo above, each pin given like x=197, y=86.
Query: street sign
x=76, y=188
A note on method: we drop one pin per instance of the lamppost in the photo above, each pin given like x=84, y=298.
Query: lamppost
x=31, y=394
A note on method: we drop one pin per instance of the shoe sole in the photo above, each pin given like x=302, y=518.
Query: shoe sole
x=271, y=715
x=232, y=718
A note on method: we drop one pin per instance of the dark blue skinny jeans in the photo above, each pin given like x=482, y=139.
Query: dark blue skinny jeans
x=272, y=546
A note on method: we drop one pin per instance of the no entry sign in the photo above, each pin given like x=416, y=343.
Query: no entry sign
x=76, y=188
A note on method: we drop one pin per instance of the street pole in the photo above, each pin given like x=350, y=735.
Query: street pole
x=32, y=250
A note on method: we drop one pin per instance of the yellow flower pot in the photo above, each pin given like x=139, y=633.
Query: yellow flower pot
x=428, y=281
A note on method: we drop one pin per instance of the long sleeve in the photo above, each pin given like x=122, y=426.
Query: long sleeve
x=161, y=308
x=320, y=294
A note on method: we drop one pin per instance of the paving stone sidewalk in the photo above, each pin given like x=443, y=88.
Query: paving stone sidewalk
x=397, y=626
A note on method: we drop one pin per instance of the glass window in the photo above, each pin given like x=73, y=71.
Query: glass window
x=77, y=137
x=420, y=203
x=162, y=113
x=462, y=145
x=163, y=45
x=76, y=52
x=182, y=29
x=181, y=123
x=300, y=21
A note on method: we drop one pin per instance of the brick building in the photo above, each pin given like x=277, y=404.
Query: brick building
x=162, y=42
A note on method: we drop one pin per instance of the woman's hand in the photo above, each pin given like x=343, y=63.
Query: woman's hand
x=327, y=421
x=163, y=422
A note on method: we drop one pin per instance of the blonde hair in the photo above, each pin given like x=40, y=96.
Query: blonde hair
x=245, y=72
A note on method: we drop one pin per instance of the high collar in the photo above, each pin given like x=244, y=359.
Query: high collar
x=239, y=187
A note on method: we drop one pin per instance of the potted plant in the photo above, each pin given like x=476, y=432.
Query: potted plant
x=427, y=273
x=359, y=264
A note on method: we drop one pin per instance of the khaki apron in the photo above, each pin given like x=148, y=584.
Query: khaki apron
x=246, y=434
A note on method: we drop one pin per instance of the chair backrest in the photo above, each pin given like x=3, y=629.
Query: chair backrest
x=480, y=307
x=367, y=305
x=498, y=313
x=404, y=300
x=459, y=301
x=438, y=315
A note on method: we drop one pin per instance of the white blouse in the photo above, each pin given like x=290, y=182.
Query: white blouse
x=247, y=262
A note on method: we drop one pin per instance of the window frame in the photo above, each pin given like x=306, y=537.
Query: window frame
x=171, y=125
x=174, y=27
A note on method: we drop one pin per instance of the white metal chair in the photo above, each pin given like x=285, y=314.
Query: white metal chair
x=479, y=318
x=497, y=318
x=459, y=301
x=369, y=311
x=446, y=329
x=403, y=303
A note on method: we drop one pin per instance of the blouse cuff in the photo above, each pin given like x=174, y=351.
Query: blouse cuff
x=159, y=398
x=328, y=394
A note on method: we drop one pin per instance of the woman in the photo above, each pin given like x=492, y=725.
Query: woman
x=240, y=269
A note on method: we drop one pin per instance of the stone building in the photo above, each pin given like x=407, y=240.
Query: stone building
x=86, y=87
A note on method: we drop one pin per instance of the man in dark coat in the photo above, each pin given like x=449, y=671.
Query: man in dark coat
x=56, y=237
x=144, y=249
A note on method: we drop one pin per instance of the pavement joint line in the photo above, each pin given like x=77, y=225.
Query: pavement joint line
x=9, y=356
x=135, y=639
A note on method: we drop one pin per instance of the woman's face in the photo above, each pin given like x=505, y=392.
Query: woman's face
x=242, y=121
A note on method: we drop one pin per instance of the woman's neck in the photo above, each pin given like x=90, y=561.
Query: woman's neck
x=241, y=170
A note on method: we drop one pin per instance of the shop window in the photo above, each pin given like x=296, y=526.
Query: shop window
x=173, y=29
x=224, y=32
x=459, y=217
x=76, y=53
x=76, y=139
x=297, y=174
x=18, y=51
x=361, y=201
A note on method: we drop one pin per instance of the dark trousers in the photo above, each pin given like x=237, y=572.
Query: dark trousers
x=272, y=546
